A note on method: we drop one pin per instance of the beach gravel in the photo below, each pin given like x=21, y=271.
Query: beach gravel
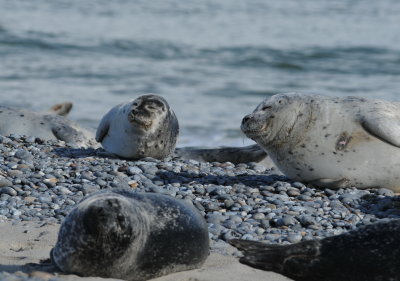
x=43, y=180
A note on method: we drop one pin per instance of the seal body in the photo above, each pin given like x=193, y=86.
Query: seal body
x=49, y=125
x=132, y=236
x=144, y=127
x=330, y=142
x=370, y=253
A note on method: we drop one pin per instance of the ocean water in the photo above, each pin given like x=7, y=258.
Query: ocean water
x=213, y=60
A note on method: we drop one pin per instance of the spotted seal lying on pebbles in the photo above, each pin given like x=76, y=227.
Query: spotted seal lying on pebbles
x=144, y=127
x=132, y=236
x=370, y=253
x=49, y=125
x=148, y=127
x=330, y=141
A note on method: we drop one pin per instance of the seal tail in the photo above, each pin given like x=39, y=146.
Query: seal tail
x=260, y=255
x=292, y=261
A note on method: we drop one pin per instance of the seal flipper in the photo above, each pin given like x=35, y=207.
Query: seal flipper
x=384, y=124
x=251, y=153
x=103, y=127
x=289, y=260
x=61, y=109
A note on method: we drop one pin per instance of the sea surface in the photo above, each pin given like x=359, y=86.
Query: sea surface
x=213, y=60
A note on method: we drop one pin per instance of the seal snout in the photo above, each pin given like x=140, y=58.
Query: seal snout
x=251, y=126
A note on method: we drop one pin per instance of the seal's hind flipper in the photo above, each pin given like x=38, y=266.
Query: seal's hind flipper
x=289, y=260
x=236, y=155
x=61, y=108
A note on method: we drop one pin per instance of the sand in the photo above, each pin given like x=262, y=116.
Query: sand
x=24, y=244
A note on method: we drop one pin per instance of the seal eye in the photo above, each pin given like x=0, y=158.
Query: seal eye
x=265, y=107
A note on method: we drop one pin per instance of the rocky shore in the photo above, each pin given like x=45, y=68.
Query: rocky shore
x=43, y=180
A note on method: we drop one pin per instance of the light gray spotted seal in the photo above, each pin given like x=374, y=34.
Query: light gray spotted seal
x=49, y=125
x=143, y=127
x=131, y=236
x=371, y=253
x=148, y=127
x=330, y=141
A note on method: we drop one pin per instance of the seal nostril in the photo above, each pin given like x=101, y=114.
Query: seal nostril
x=245, y=119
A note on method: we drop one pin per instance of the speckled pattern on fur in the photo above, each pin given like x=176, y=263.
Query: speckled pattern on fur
x=330, y=142
x=132, y=236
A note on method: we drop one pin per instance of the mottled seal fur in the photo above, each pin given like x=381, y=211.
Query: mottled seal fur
x=148, y=127
x=369, y=253
x=143, y=127
x=330, y=141
x=49, y=125
x=131, y=236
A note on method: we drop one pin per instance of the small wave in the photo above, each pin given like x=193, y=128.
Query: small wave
x=364, y=60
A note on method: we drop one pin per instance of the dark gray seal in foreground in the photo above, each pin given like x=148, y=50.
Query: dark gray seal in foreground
x=330, y=141
x=143, y=127
x=49, y=125
x=132, y=236
x=369, y=253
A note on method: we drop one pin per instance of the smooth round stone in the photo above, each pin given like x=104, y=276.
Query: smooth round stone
x=17, y=213
x=247, y=237
x=294, y=237
x=134, y=170
x=23, y=154
x=288, y=220
x=259, y=216
x=307, y=220
x=8, y=190
x=5, y=182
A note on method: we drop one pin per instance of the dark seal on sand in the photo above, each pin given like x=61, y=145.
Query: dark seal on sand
x=369, y=253
x=132, y=236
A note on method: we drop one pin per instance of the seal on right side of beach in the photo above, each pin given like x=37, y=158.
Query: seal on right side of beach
x=329, y=141
x=131, y=236
x=371, y=253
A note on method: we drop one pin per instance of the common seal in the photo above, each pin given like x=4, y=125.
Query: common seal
x=330, y=141
x=143, y=127
x=148, y=127
x=49, y=125
x=131, y=236
x=369, y=253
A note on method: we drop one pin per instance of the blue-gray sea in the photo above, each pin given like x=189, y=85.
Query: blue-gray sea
x=213, y=60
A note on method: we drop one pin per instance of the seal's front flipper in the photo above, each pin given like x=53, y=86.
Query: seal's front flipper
x=331, y=183
x=104, y=126
x=236, y=155
x=61, y=108
x=383, y=123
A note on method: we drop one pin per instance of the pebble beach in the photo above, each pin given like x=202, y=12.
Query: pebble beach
x=41, y=181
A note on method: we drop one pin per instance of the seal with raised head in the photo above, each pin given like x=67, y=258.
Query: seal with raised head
x=148, y=127
x=131, y=236
x=369, y=253
x=330, y=141
x=144, y=127
x=49, y=125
